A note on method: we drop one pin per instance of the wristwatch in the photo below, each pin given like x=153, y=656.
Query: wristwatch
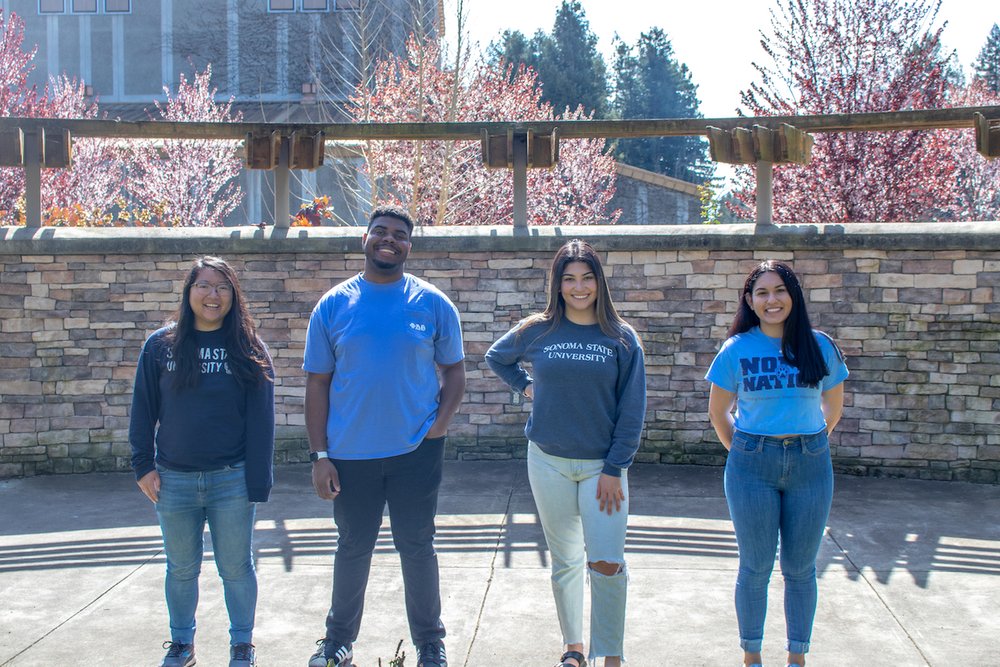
x=316, y=456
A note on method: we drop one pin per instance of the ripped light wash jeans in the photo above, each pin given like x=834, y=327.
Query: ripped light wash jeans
x=778, y=487
x=577, y=532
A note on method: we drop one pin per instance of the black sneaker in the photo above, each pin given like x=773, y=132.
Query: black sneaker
x=331, y=653
x=178, y=655
x=242, y=655
x=432, y=654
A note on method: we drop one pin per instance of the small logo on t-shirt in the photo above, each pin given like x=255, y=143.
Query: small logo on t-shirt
x=418, y=327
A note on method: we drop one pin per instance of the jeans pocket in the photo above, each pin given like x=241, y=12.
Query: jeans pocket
x=818, y=444
x=743, y=442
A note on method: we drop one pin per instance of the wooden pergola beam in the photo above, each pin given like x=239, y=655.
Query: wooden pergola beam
x=927, y=119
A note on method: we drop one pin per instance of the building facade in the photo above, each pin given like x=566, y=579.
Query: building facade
x=280, y=61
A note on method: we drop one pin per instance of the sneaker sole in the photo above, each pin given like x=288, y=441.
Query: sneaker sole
x=329, y=663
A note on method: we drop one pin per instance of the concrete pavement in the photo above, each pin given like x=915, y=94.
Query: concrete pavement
x=909, y=575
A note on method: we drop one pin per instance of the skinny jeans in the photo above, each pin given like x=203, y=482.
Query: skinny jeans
x=778, y=490
x=187, y=501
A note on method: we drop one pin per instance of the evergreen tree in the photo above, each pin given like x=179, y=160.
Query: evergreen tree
x=987, y=65
x=568, y=64
x=650, y=83
x=513, y=47
x=574, y=72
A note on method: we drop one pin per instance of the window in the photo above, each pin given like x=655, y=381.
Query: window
x=86, y=6
x=354, y=5
x=51, y=6
x=298, y=5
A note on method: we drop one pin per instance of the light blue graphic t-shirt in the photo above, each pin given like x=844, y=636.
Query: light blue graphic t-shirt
x=382, y=344
x=770, y=400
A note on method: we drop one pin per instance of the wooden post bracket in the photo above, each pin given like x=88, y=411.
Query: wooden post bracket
x=56, y=149
x=307, y=150
x=262, y=151
x=760, y=144
x=987, y=136
x=542, y=149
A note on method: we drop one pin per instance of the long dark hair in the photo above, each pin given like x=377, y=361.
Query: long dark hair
x=798, y=343
x=611, y=323
x=245, y=353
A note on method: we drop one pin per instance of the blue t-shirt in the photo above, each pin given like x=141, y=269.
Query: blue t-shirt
x=769, y=398
x=381, y=343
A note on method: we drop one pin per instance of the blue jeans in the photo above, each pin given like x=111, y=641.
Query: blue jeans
x=778, y=487
x=187, y=501
x=409, y=485
x=576, y=532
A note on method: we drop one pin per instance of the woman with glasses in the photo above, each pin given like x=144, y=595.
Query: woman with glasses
x=786, y=383
x=202, y=436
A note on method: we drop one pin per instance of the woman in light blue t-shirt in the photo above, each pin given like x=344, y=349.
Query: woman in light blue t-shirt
x=786, y=382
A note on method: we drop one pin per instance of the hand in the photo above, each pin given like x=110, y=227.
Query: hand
x=150, y=485
x=609, y=493
x=529, y=391
x=437, y=431
x=326, y=480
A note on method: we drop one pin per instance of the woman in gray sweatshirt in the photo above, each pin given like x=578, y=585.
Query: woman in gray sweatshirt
x=587, y=384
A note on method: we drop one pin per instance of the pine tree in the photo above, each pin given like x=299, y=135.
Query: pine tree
x=987, y=65
x=570, y=67
x=650, y=83
x=574, y=72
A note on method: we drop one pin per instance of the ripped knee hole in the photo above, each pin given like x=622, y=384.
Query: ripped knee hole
x=606, y=568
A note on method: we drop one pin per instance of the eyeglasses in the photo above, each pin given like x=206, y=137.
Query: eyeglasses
x=222, y=289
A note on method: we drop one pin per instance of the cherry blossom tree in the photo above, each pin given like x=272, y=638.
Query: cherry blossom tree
x=88, y=192
x=977, y=179
x=164, y=183
x=848, y=56
x=187, y=182
x=17, y=99
x=445, y=182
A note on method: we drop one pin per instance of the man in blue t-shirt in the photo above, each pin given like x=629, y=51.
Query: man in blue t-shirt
x=377, y=415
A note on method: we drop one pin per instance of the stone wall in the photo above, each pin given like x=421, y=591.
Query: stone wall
x=914, y=306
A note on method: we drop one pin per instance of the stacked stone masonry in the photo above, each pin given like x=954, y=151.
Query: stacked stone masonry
x=914, y=307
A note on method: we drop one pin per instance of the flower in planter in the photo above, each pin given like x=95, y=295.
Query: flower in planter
x=311, y=215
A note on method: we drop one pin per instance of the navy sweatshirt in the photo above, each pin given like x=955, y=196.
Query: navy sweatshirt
x=588, y=393
x=215, y=424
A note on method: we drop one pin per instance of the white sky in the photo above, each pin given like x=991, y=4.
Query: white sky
x=716, y=39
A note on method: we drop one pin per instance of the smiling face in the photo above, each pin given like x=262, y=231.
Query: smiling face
x=578, y=287
x=771, y=303
x=210, y=298
x=386, y=245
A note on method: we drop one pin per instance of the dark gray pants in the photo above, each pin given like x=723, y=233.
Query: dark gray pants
x=409, y=485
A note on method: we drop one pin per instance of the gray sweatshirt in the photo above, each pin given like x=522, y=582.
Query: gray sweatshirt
x=589, y=390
